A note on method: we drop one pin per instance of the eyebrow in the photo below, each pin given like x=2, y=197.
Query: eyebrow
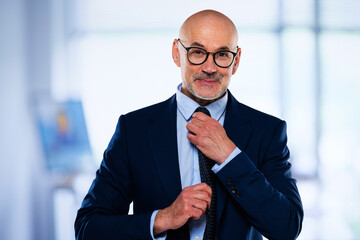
x=196, y=44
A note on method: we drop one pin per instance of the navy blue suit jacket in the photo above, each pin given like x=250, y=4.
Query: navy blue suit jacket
x=255, y=191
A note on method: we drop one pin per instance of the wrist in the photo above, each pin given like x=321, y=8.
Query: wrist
x=160, y=223
x=230, y=147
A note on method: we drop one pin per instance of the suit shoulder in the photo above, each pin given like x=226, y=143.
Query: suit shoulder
x=265, y=126
x=259, y=117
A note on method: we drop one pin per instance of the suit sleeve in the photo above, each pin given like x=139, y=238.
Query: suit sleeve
x=104, y=211
x=266, y=193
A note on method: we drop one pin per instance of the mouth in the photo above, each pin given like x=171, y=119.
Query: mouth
x=207, y=81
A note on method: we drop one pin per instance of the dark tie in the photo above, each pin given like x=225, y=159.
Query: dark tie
x=208, y=177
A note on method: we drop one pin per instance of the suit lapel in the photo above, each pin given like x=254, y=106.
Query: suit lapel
x=238, y=129
x=237, y=122
x=163, y=141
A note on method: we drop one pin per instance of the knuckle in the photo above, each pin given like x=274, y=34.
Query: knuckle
x=203, y=131
x=208, y=127
x=206, y=141
x=186, y=209
x=185, y=196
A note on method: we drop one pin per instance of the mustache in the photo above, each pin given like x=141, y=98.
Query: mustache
x=203, y=75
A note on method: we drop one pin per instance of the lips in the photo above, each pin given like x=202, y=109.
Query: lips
x=207, y=81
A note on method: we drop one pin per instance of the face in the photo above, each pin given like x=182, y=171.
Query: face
x=207, y=82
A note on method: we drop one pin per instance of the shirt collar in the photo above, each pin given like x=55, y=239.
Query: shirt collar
x=187, y=106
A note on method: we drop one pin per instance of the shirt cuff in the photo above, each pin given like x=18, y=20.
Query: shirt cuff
x=216, y=168
x=161, y=236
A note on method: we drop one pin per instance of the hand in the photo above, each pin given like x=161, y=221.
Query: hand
x=192, y=202
x=210, y=137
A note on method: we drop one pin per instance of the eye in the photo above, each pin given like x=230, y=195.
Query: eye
x=223, y=54
x=197, y=52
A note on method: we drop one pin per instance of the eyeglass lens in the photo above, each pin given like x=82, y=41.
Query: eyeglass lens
x=198, y=56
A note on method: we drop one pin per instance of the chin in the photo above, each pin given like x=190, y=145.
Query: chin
x=206, y=93
x=208, y=96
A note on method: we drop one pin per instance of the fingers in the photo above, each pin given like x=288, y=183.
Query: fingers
x=202, y=129
x=201, y=116
x=197, y=194
x=200, y=191
x=196, y=133
x=192, y=202
x=193, y=128
x=210, y=137
x=203, y=187
x=203, y=124
x=199, y=208
x=205, y=192
x=201, y=120
x=201, y=141
x=197, y=198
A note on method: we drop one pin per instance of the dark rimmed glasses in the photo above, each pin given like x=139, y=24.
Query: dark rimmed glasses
x=198, y=56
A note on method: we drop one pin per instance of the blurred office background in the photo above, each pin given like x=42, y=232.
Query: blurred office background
x=69, y=68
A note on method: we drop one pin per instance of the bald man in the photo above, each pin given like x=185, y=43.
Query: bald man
x=199, y=165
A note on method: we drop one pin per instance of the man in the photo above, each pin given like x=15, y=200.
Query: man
x=187, y=175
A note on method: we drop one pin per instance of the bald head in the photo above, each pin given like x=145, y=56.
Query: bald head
x=211, y=24
x=205, y=79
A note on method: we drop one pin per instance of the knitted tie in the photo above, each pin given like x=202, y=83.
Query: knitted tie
x=208, y=177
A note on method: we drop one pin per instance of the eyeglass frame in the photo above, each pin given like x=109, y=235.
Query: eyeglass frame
x=207, y=55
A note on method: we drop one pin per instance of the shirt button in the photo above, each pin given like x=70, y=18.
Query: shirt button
x=196, y=238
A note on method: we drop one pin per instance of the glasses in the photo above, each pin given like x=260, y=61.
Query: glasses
x=198, y=56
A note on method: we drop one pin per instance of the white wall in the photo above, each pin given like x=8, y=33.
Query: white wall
x=21, y=160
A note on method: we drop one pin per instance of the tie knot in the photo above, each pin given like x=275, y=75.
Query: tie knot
x=203, y=110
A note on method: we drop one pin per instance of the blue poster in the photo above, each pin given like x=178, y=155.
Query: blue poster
x=64, y=136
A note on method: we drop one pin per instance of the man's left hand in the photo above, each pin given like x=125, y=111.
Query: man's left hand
x=210, y=137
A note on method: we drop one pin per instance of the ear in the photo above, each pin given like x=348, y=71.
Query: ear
x=176, y=53
x=236, y=61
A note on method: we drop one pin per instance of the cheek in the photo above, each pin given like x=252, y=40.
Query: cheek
x=226, y=73
x=190, y=70
x=183, y=60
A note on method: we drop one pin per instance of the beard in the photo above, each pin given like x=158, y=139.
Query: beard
x=214, y=76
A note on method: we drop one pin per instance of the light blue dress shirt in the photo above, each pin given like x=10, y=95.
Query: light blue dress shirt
x=188, y=153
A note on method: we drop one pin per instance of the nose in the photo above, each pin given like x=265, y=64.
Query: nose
x=209, y=65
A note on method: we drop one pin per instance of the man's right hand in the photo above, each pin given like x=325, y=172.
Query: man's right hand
x=192, y=202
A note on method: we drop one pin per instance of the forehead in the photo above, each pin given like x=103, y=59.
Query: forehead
x=211, y=34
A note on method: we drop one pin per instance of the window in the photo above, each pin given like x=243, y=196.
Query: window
x=299, y=62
